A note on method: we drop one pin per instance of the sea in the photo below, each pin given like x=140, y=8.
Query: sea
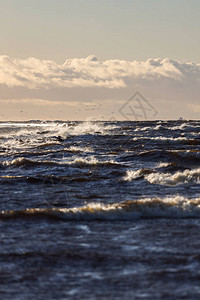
x=100, y=210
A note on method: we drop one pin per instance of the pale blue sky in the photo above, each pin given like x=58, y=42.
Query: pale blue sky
x=138, y=29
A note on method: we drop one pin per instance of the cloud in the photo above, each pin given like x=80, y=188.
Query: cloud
x=87, y=72
x=39, y=102
x=47, y=90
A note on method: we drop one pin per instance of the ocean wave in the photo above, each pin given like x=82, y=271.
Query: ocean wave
x=136, y=174
x=163, y=165
x=186, y=127
x=161, y=138
x=90, y=128
x=174, y=179
x=22, y=161
x=168, y=140
x=78, y=149
x=167, y=126
x=79, y=161
x=170, y=207
x=31, y=135
x=143, y=128
x=164, y=178
x=187, y=154
x=184, y=157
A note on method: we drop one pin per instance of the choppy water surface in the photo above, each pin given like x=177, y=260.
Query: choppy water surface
x=100, y=210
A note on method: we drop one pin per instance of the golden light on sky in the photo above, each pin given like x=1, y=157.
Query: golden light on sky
x=60, y=58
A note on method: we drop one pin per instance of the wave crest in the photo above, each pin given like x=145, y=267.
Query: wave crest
x=164, y=178
x=170, y=207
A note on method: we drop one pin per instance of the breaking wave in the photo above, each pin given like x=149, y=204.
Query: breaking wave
x=164, y=178
x=169, y=207
x=169, y=140
x=24, y=162
x=16, y=136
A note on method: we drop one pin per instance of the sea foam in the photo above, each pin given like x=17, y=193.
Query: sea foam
x=169, y=207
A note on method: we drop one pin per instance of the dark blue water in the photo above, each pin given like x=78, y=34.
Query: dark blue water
x=100, y=210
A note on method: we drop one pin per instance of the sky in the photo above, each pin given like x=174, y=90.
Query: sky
x=78, y=60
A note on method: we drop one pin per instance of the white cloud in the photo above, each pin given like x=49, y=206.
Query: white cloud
x=33, y=73
x=45, y=89
x=39, y=102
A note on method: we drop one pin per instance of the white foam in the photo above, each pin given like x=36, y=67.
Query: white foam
x=165, y=178
x=89, y=128
x=133, y=174
x=162, y=165
x=16, y=136
x=169, y=140
x=174, y=179
x=79, y=149
x=169, y=207
x=143, y=128
x=186, y=127
x=89, y=160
